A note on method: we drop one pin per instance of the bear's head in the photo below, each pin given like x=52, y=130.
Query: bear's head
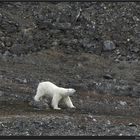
x=71, y=91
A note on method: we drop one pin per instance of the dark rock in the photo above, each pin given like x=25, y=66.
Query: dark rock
x=125, y=90
x=19, y=49
x=7, y=41
x=136, y=91
x=119, y=56
x=88, y=45
x=21, y=80
x=132, y=125
x=63, y=26
x=9, y=26
x=137, y=138
x=1, y=55
x=2, y=38
x=136, y=50
x=117, y=52
x=42, y=105
x=107, y=76
x=1, y=34
x=7, y=53
x=1, y=93
x=108, y=45
x=1, y=45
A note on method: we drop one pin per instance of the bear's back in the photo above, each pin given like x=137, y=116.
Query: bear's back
x=48, y=87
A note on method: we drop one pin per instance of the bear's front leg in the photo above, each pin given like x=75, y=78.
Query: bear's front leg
x=55, y=102
x=68, y=102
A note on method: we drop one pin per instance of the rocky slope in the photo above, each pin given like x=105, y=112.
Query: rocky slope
x=90, y=46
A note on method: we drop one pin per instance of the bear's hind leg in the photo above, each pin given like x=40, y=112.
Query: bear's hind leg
x=55, y=102
x=39, y=95
x=68, y=102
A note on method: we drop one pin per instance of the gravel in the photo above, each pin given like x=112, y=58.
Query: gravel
x=92, y=47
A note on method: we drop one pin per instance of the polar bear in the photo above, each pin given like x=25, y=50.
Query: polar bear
x=56, y=93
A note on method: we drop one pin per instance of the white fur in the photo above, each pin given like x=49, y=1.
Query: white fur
x=55, y=93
